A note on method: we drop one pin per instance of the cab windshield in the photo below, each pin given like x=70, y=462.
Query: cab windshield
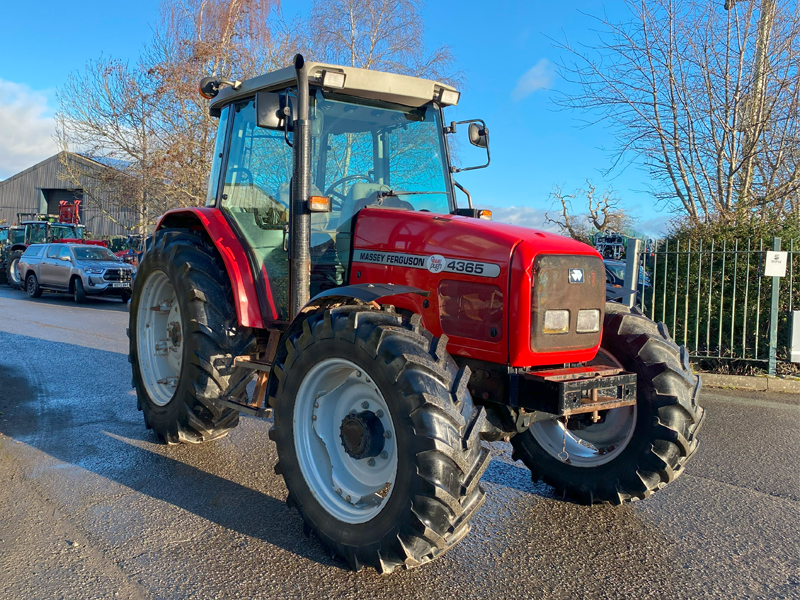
x=93, y=253
x=3, y=235
x=70, y=232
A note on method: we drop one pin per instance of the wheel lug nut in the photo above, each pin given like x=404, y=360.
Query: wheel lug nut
x=379, y=413
x=358, y=373
x=384, y=455
x=313, y=417
x=368, y=380
x=371, y=462
x=348, y=498
x=387, y=434
x=316, y=404
x=339, y=491
x=353, y=413
x=365, y=404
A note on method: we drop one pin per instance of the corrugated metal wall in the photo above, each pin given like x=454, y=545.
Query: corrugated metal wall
x=22, y=193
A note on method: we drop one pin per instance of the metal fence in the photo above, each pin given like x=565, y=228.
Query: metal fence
x=715, y=300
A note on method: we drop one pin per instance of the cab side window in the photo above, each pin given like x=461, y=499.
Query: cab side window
x=53, y=250
x=64, y=253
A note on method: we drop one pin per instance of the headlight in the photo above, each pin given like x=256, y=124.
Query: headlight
x=94, y=271
x=556, y=321
x=588, y=321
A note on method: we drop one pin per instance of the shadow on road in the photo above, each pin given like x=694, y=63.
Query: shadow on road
x=111, y=441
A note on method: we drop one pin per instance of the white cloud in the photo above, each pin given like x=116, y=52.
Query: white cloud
x=525, y=216
x=26, y=128
x=539, y=76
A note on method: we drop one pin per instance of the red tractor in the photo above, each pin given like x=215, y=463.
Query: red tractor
x=388, y=330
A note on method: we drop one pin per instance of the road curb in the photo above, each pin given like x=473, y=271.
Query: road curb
x=759, y=384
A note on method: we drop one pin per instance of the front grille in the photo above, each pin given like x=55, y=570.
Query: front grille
x=117, y=275
x=553, y=290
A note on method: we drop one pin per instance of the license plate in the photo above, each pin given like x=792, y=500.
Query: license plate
x=121, y=285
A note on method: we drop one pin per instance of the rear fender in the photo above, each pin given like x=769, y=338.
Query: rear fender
x=234, y=256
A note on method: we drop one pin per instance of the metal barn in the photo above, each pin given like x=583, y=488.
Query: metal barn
x=39, y=189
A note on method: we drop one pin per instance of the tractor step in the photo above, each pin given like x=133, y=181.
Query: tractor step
x=261, y=413
x=248, y=362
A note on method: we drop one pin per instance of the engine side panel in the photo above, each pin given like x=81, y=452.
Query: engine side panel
x=233, y=255
x=424, y=250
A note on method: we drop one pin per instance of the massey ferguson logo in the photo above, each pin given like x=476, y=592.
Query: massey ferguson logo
x=576, y=275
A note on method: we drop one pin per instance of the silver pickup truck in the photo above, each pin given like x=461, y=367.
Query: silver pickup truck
x=77, y=269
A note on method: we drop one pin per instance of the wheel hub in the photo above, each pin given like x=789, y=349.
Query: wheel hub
x=362, y=435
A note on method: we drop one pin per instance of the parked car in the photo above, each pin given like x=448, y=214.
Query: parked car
x=76, y=269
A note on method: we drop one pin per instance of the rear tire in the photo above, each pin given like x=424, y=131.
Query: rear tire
x=205, y=336
x=434, y=436
x=666, y=421
x=12, y=272
x=32, y=285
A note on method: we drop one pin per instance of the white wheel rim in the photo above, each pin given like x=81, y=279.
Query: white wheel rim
x=596, y=444
x=351, y=490
x=13, y=271
x=159, y=338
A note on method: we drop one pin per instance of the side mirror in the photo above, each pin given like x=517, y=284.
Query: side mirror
x=479, y=135
x=65, y=258
x=271, y=111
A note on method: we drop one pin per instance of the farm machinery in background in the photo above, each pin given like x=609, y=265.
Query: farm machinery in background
x=39, y=228
x=387, y=329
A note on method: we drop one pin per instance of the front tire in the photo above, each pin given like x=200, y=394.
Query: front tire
x=12, y=272
x=634, y=451
x=409, y=498
x=78, y=291
x=184, y=336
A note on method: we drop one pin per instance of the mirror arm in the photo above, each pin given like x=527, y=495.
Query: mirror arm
x=466, y=193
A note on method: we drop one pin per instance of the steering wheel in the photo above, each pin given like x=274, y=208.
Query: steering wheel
x=246, y=174
x=331, y=188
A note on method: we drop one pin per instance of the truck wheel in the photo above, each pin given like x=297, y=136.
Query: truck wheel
x=78, y=291
x=184, y=337
x=32, y=285
x=14, y=278
x=378, y=440
x=633, y=451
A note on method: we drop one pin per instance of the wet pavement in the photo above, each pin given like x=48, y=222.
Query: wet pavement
x=91, y=506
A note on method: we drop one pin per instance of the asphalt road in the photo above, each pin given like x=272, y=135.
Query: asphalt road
x=91, y=506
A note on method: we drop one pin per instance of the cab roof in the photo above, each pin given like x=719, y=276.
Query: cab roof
x=362, y=83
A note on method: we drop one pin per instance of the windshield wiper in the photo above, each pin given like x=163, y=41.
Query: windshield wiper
x=386, y=193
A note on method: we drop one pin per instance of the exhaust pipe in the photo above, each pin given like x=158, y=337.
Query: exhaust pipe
x=299, y=215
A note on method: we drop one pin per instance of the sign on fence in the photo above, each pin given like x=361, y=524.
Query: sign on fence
x=775, y=264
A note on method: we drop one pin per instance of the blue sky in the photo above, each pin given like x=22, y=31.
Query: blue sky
x=502, y=47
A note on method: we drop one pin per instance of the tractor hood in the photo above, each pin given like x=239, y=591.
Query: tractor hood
x=488, y=282
x=456, y=237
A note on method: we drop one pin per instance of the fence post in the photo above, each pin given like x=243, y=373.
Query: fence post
x=632, y=252
x=773, y=314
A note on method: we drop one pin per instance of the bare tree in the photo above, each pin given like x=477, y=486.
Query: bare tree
x=706, y=95
x=603, y=212
x=385, y=35
x=146, y=122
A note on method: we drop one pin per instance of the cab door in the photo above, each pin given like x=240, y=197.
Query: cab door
x=255, y=197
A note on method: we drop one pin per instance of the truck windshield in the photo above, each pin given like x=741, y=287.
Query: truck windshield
x=93, y=253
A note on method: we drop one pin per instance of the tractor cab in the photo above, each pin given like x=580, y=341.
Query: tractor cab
x=365, y=149
x=43, y=232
